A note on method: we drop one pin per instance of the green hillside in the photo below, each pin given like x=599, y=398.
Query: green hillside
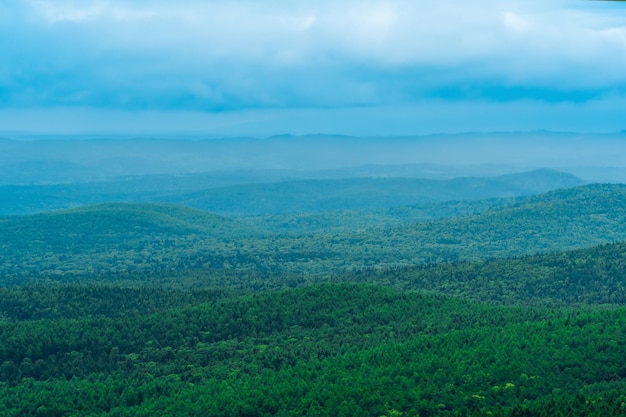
x=560, y=220
x=112, y=237
x=159, y=238
x=588, y=276
x=555, y=221
x=368, y=193
x=583, y=277
x=321, y=351
x=500, y=307
x=119, y=221
x=354, y=220
x=267, y=191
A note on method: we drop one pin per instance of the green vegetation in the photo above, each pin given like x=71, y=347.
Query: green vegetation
x=507, y=307
x=367, y=193
x=266, y=192
x=321, y=350
x=156, y=238
x=583, y=277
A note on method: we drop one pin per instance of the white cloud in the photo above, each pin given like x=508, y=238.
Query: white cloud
x=516, y=23
x=215, y=54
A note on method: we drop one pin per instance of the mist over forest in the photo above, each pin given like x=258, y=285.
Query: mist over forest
x=313, y=275
x=279, y=208
x=40, y=159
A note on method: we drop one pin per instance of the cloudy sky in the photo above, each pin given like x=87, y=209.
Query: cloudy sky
x=263, y=67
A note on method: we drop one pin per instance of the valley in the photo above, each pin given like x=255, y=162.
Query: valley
x=275, y=208
x=497, y=296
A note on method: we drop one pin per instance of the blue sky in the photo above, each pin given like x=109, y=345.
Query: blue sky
x=263, y=67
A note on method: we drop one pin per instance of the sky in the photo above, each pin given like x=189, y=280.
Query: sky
x=357, y=67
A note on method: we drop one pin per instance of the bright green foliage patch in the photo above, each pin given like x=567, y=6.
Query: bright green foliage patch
x=323, y=350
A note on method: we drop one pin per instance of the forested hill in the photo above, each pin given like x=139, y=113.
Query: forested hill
x=143, y=309
x=595, y=275
x=369, y=193
x=133, y=219
x=325, y=350
x=45, y=159
x=267, y=192
x=157, y=238
x=583, y=277
x=113, y=237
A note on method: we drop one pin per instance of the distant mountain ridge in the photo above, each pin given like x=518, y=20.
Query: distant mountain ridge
x=219, y=194
x=97, y=157
x=369, y=193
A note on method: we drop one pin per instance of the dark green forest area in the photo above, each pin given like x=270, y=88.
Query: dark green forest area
x=328, y=349
x=501, y=307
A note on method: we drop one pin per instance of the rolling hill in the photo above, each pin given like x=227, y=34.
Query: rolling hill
x=369, y=193
x=501, y=306
x=113, y=237
x=266, y=192
x=151, y=238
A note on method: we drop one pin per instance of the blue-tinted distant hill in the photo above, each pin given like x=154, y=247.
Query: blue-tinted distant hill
x=41, y=159
x=370, y=193
x=223, y=194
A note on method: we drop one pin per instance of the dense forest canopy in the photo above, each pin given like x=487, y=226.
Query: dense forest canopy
x=320, y=350
x=505, y=306
x=278, y=208
x=156, y=238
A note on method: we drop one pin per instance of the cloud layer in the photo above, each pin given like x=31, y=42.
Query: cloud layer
x=283, y=54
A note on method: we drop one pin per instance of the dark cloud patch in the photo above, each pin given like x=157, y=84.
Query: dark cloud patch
x=276, y=55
